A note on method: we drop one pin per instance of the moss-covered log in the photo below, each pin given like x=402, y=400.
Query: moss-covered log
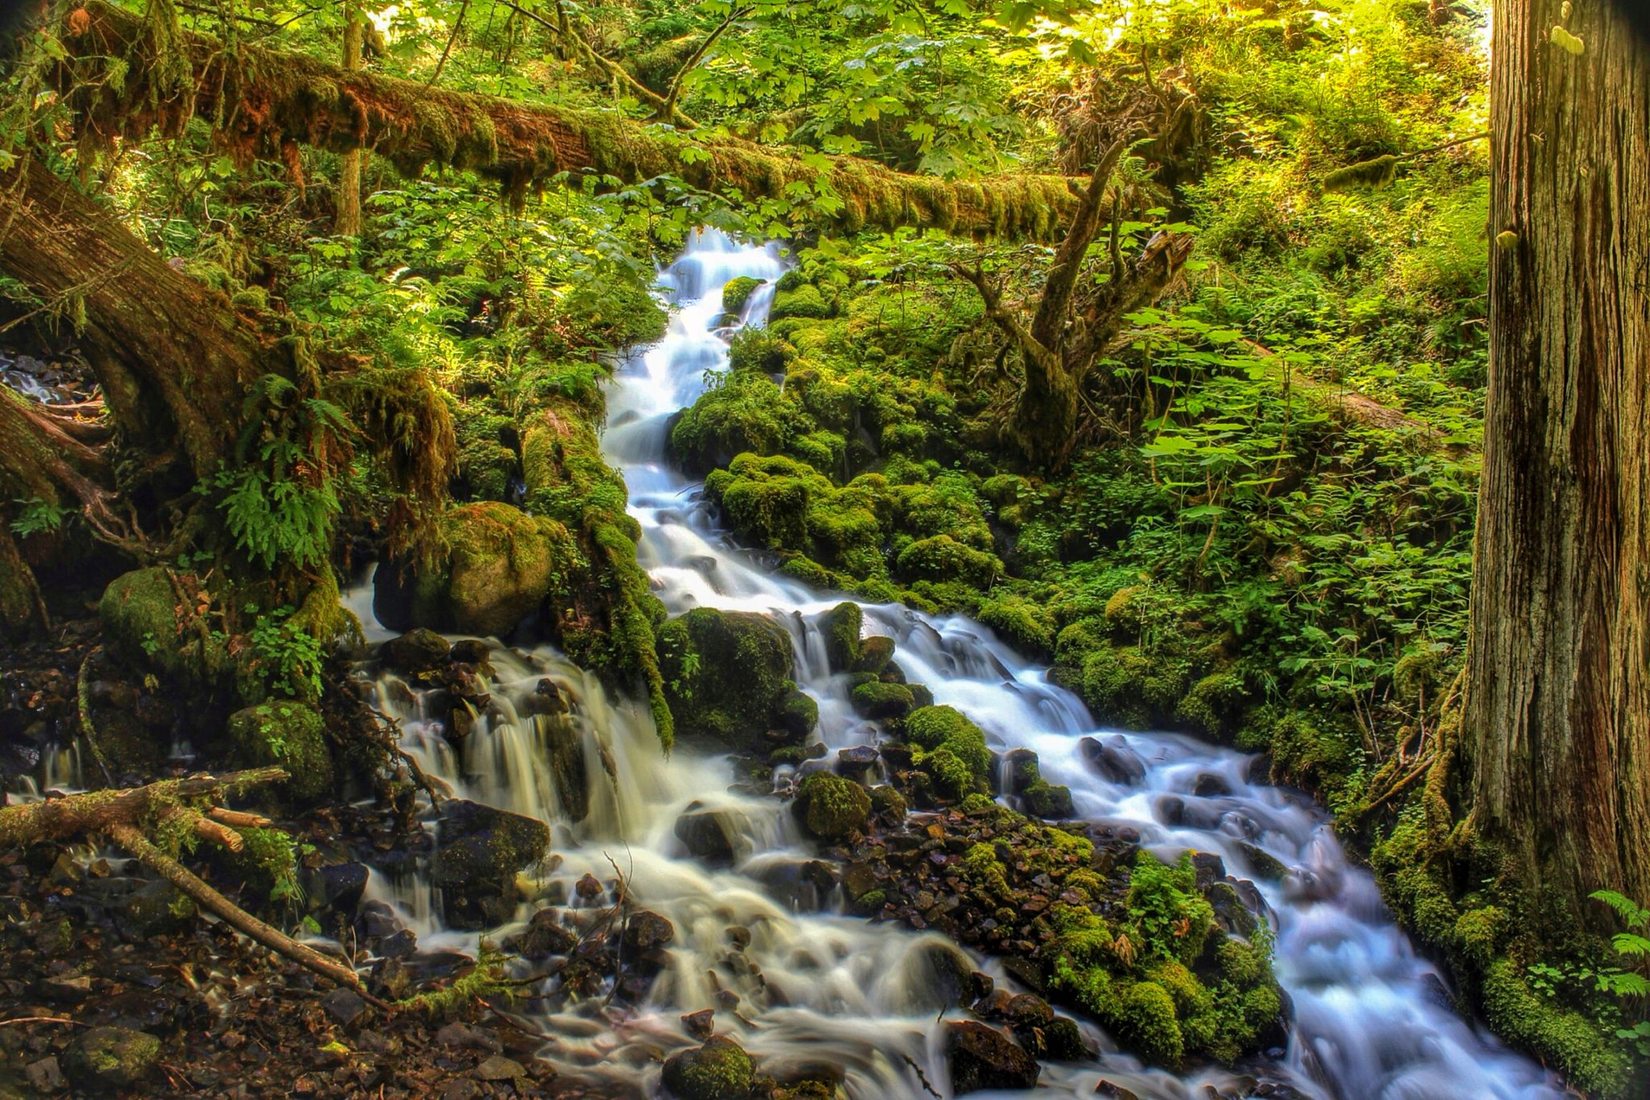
x=264, y=102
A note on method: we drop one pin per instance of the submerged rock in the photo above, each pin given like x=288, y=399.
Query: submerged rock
x=1113, y=759
x=981, y=1057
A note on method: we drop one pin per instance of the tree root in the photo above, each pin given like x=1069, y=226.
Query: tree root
x=123, y=815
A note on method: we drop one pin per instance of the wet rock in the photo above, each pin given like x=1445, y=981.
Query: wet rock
x=647, y=931
x=718, y=1070
x=103, y=1059
x=65, y=989
x=981, y=1057
x=1210, y=868
x=947, y=976
x=46, y=1075
x=1262, y=864
x=841, y=627
x=399, y=945
x=858, y=763
x=546, y=698
x=464, y=1037
x=157, y=908
x=1113, y=759
x=728, y=677
x=1211, y=785
x=338, y=886
x=481, y=850
x=1108, y=1091
x=1020, y=770
x=564, y=752
x=418, y=650
x=546, y=936
x=700, y=1025
x=1063, y=1041
x=473, y=651
x=589, y=887
x=874, y=654
x=706, y=834
x=1027, y=1010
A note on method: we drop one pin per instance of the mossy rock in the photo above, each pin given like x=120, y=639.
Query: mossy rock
x=804, y=302
x=881, y=701
x=145, y=627
x=841, y=627
x=735, y=293
x=831, y=807
x=953, y=749
x=105, y=1059
x=499, y=565
x=289, y=735
x=875, y=653
x=943, y=558
x=718, y=1070
x=486, y=470
x=744, y=413
x=728, y=679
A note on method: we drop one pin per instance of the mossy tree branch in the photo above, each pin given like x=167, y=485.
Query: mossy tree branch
x=262, y=102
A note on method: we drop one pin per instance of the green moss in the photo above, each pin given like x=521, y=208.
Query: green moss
x=727, y=678
x=1026, y=625
x=1567, y=1040
x=841, y=627
x=833, y=808
x=943, y=558
x=879, y=700
x=1144, y=1019
x=1214, y=702
x=147, y=624
x=952, y=749
x=289, y=735
x=501, y=565
x=1171, y=918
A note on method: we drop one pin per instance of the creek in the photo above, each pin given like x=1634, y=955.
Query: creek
x=1370, y=1018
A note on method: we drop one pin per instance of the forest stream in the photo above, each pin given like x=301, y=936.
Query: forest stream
x=1370, y=1018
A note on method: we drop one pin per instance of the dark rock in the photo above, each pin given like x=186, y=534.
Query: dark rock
x=399, y=945
x=564, y=752
x=1113, y=759
x=981, y=1057
x=338, y=886
x=858, y=763
x=500, y=1068
x=1211, y=785
x=706, y=834
x=344, y=1005
x=1027, y=1010
x=104, y=1059
x=700, y=1025
x=1020, y=770
x=464, y=1037
x=546, y=699
x=647, y=931
x=46, y=1075
x=1210, y=868
x=589, y=887
x=416, y=651
x=1262, y=864
x=65, y=989
x=1108, y=1091
x=1063, y=1041
x=481, y=850
x=546, y=935
x=472, y=651
x=718, y=1070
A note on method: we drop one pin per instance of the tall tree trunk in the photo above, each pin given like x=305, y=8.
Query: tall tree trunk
x=349, y=177
x=1557, y=725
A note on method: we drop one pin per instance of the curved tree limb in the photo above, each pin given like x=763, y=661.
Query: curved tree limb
x=262, y=100
x=669, y=109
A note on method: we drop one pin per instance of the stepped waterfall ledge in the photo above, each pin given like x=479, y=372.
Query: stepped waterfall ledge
x=743, y=906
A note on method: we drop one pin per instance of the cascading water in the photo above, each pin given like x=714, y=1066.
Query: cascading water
x=1370, y=1018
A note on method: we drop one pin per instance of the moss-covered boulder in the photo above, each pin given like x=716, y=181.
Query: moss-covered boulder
x=480, y=851
x=287, y=734
x=742, y=412
x=498, y=565
x=804, y=302
x=146, y=625
x=103, y=1060
x=831, y=807
x=718, y=1070
x=881, y=701
x=735, y=293
x=951, y=749
x=943, y=558
x=728, y=680
x=841, y=627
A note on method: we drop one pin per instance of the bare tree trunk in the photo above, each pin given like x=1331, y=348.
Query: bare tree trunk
x=1557, y=723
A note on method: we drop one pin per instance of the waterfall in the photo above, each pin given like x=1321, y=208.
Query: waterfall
x=1369, y=1018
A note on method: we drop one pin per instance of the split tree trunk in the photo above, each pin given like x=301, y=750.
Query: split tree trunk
x=1557, y=722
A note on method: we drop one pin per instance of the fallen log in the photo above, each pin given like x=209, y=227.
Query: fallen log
x=124, y=815
x=124, y=77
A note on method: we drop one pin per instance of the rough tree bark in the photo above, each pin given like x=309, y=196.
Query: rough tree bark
x=263, y=101
x=349, y=173
x=1556, y=737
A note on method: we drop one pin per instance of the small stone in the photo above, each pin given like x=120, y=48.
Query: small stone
x=401, y=945
x=645, y=931
x=500, y=1068
x=465, y=1037
x=344, y=1005
x=46, y=1075
x=588, y=887
x=700, y=1025
x=66, y=989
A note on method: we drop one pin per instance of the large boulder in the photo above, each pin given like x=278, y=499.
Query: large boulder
x=498, y=565
x=146, y=627
x=728, y=681
x=841, y=627
x=289, y=735
x=982, y=1057
x=831, y=807
x=481, y=850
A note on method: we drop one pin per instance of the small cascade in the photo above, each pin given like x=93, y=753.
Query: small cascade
x=815, y=987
